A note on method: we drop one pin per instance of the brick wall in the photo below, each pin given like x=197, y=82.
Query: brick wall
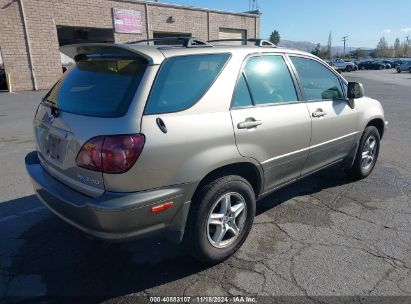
x=13, y=45
x=44, y=15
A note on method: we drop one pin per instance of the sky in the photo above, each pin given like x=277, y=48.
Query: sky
x=363, y=21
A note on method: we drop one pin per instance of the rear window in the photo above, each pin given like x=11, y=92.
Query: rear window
x=182, y=81
x=99, y=86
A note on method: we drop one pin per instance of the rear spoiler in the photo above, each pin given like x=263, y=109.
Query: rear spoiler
x=153, y=55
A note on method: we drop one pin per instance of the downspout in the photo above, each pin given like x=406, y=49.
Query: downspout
x=26, y=33
x=208, y=25
x=147, y=22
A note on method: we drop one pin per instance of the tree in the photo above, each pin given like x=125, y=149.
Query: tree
x=329, y=45
x=320, y=52
x=359, y=53
x=382, y=49
x=275, y=37
x=397, y=47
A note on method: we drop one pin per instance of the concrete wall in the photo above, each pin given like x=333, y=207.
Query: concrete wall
x=44, y=15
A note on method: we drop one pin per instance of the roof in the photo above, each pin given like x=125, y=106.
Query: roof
x=156, y=54
x=239, y=49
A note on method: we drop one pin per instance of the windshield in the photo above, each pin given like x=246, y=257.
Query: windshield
x=98, y=85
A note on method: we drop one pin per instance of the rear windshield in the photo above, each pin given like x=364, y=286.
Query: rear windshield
x=99, y=86
x=183, y=80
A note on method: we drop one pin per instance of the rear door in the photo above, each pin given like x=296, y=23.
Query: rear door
x=334, y=123
x=270, y=123
x=92, y=99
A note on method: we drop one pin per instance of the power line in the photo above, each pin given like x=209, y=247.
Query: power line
x=345, y=38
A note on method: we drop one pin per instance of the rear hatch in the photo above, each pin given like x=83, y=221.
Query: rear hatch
x=92, y=99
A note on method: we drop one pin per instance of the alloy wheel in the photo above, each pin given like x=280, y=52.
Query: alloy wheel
x=226, y=220
x=369, y=152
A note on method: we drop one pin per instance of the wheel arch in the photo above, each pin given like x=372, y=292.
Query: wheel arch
x=249, y=171
x=379, y=124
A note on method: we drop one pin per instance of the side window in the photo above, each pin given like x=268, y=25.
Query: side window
x=318, y=81
x=269, y=80
x=242, y=96
x=182, y=81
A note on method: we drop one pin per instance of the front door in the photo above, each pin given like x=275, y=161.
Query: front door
x=271, y=125
x=334, y=122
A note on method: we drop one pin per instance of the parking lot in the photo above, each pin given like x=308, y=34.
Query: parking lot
x=323, y=236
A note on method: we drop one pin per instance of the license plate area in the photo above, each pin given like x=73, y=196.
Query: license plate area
x=53, y=147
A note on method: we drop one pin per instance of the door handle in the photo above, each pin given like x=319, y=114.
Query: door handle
x=249, y=123
x=319, y=113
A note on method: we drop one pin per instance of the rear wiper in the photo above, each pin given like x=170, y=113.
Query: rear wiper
x=54, y=109
x=53, y=105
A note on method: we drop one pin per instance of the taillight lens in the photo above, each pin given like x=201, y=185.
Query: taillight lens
x=111, y=154
x=89, y=156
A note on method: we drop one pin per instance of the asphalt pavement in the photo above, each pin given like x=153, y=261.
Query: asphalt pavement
x=323, y=236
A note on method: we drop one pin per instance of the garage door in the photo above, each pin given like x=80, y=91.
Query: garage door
x=226, y=33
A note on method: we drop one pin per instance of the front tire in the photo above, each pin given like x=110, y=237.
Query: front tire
x=398, y=70
x=367, y=154
x=220, y=219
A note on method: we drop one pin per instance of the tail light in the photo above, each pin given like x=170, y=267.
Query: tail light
x=111, y=154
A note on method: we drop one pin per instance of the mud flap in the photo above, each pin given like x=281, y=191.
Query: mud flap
x=175, y=232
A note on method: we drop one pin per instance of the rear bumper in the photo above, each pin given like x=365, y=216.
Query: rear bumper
x=113, y=216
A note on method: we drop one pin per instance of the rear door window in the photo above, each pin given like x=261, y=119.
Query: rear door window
x=242, y=96
x=100, y=86
x=269, y=80
x=183, y=80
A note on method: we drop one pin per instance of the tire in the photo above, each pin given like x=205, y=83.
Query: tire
x=398, y=70
x=363, y=167
x=200, y=239
x=348, y=69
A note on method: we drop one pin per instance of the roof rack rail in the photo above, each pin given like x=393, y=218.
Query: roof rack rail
x=257, y=41
x=187, y=42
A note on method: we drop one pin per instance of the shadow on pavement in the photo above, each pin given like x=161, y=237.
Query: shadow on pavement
x=328, y=178
x=69, y=264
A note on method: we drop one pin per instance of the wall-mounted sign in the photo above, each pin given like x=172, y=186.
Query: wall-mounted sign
x=127, y=21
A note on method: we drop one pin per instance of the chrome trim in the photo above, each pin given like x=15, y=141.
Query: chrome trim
x=308, y=148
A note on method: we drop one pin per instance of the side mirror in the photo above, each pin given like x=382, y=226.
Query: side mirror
x=355, y=90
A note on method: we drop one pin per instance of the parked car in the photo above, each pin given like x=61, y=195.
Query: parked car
x=396, y=63
x=371, y=65
x=183, y=141
x=388, y=64
x=339, y=70
x=355, y=68
x=342, y=65
x=404, y=66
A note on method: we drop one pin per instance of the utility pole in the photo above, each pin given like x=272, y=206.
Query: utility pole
x=406, y=46
x=345, y=38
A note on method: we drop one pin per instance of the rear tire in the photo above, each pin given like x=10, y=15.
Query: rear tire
x=367, y=154
x=210, y=232
x=398, y=70
x=348, y=69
